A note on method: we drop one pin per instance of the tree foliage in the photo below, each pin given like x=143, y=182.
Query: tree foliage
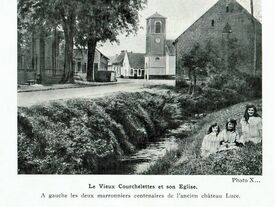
x=104, y=20
x=208, y=63
x=85, y=22
x=195, y=62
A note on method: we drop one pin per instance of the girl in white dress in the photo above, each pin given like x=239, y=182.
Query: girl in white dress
x=251, y=125
x=229, y=137
x=211, y=141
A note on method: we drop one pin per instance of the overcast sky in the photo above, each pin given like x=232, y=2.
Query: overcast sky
x=180, y=15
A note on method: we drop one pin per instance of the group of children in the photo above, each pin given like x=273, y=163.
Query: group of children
x=229, y=138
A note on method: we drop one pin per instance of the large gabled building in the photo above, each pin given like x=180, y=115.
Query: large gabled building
x=224, y=24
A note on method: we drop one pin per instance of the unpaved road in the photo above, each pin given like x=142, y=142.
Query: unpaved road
x=37, y=97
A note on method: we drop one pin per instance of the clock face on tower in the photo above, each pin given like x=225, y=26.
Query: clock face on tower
x=157, y=40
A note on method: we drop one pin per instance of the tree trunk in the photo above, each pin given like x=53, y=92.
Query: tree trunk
x=68, y=24
x=254, y=39
x=195, y=83
x=91, y=55
x=68, y=75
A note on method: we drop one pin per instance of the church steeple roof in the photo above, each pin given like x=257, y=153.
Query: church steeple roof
x=156, y=15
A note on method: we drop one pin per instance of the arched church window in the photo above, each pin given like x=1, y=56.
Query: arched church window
x=157, y=59
x=157, y=27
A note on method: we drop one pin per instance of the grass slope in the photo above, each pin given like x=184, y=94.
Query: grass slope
x=186, y=159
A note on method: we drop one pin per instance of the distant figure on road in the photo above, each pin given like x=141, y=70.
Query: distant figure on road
x=251, y=125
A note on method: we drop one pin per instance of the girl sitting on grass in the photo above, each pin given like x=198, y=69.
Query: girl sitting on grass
x=229, y=137
x=251, y=125
x=211, y=141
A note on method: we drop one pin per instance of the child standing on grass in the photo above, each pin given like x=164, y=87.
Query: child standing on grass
x=251, y=125
x=229, y=137
x=211, y=141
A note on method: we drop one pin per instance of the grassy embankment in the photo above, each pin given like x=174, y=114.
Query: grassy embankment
x=86, y=136
x=186, y=159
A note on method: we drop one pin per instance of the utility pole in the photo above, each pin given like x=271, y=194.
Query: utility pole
x=254, y=39
x=147, y=71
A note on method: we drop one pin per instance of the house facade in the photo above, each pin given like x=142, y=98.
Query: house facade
x=133, y=65
x=80, y=64
x=117, y=65
x=129, y=65
x=160, y=52
x=25, y=70
x=43, y=61
x=229, y=27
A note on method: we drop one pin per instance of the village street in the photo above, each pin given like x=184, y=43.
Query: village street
x=38, y=97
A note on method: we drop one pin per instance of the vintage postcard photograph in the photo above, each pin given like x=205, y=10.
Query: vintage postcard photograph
x=137, y=103
x=139, y=87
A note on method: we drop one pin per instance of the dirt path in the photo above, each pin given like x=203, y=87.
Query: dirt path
x=37, y=97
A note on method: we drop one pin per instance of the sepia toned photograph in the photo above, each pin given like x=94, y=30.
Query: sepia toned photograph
x=139, y=87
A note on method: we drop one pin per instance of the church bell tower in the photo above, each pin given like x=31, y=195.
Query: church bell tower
x=155, y=60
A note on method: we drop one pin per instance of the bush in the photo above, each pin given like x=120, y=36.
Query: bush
x=245, y=85
x=255, y=86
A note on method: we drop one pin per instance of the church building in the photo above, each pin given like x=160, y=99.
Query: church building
x=160, y=58
x=232, y=31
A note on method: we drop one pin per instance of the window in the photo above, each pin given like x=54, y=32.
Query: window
x=157, y=27
x=95, y=67
x=142, y=72
x=74, y=65
x=227, y=9
x=84, y=68
x=78, y=66
x=132, y=72
x=157, y=59
x=213, y=22
x=135, y=73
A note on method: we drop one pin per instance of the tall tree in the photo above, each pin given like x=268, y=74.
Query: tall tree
x=66, y=11
x=102, y=20
x=195, y=62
